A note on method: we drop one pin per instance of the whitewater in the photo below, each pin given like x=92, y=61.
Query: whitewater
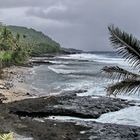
x=83, y=72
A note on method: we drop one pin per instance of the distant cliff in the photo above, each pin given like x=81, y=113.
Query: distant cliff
x=70, y=51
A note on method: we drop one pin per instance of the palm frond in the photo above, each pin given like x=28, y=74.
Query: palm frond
x=127, y=86
x=118, y=73
x=126, y=45
x=8, y=136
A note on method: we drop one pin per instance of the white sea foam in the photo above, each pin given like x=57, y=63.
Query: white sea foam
x=68, y=118
x=119, y=117
x=75, y=78
x=95, y=57
x=127, y=116
x=59, y=62
x=60, y=69
x=19, y=137
x=82, y=56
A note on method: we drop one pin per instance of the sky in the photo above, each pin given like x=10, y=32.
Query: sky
x=79, y=24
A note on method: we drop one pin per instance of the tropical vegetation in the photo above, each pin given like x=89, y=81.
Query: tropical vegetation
x=12, y=49
x=17, y=44
x=42, y=44
x=8, y=136
x=129, y=48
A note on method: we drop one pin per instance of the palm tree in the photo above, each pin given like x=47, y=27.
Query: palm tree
x=8, y=136
x=129, y=48
x=7, y=41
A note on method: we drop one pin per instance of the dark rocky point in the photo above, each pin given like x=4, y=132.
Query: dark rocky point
x=27, y=117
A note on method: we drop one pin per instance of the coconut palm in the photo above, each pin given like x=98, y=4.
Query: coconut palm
x=8, y=136
x=7, y=41
x=129, y=48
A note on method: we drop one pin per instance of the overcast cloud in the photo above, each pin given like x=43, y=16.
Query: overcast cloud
x=80, y=24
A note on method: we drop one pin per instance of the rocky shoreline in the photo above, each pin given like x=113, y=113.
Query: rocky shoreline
x=36, y=118
x=68, y=105
x=30, y=118
x=12, y=84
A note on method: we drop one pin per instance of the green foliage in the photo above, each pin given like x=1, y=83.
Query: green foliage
x=118, y=73
x=126, y=44
x=1, y=55
x=18, y=43
x=13, y=49
x=5, y=58
x=42, y=43
x=129, y=47
x=43, y=48
x=8, y=136
x=19, y=56
x=7, y=41
x=128, y=86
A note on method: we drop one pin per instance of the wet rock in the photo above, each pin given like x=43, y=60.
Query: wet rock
x=28, y=94
x=2, y=98
x=41, y=62
x=73, y=92
x=22, y=117
x=113, y=131
x=8, y=85
x=67, y=105
x=2, y=87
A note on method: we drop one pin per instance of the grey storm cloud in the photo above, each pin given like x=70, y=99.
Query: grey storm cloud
x=25, y=3
x=80, y=24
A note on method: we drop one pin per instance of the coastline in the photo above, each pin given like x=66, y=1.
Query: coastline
x=13, y=86
x=29, y=117
x=63, y=116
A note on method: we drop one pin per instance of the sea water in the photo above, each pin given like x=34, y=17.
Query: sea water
x=83, y=72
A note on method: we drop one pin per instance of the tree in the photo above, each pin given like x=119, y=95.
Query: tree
x=8, y=136
x=129, y=48
x=13, y=49
x=7, y=41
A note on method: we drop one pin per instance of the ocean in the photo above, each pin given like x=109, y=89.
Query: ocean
x=76, y=72
x=83, y=72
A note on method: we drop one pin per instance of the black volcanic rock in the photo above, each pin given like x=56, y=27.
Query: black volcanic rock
x=27, y=118
x=70, y=51
x=68, y=105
